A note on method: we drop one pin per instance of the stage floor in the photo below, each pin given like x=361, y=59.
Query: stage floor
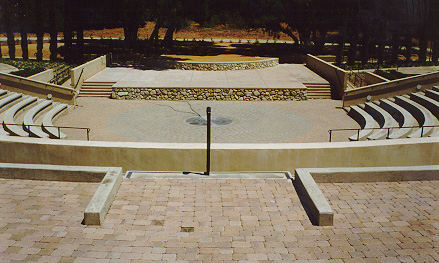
x=294, y=76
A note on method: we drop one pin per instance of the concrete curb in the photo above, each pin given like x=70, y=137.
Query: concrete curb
x=101, y=201
x=314, y=202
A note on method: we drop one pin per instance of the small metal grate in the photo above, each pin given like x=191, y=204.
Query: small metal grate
x=202, y=121
x=187, y=229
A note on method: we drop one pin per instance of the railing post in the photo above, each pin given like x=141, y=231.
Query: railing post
x=422, y=131
x=88, y=134
x=59, y=133
x=330, y=135
x=358, y=134
x=388, y=133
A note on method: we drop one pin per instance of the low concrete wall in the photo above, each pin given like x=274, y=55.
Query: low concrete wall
x=88, y=69
x=335, y=75
x=225, y=157
x=44, y=76
x=36, y=88
x=391, y=88
x=371, y=78
x=249, y=94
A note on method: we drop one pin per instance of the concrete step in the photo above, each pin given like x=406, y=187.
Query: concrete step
x=318, y=91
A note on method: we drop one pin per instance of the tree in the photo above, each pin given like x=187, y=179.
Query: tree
x=8, y=18
x=39, y=29
x=23, y=17
x=53, y=30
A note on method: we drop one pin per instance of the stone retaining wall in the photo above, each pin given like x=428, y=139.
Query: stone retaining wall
x=208, y=94
x=223, y=66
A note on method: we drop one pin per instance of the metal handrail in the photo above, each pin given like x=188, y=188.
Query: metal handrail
x=58, y=127
x=387, y=128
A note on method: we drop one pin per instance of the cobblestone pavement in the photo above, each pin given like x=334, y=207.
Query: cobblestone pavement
x=165, y=121
x=218, y=221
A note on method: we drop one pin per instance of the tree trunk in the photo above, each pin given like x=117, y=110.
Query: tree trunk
x=23, y=30
x=365, y=47
x=8, y=27
x=167, y=41
x=130, y=33
x=435, y=52
x=68, y=33
x=422, y=55
x=381, y=49
x=155, y=33
x=80, y=43
x=408, y=48
x=53, y=31
x=352, y=53
x=39, y=29
x=395, y=49
x=339, y=51
x=289, y=33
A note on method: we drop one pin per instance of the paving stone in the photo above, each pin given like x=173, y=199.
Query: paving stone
x=395, y=230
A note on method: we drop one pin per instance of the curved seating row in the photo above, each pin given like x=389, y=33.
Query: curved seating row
x=20, y=112
x=53, y=114
x=399, y=117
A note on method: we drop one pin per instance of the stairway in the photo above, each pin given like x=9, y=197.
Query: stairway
x=318, y=91
x=96, y=89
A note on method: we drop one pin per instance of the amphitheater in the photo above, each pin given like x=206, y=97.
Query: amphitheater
x=89, y=178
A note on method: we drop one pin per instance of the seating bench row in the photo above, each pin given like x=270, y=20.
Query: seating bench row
x=19, y=114
x=398, y=117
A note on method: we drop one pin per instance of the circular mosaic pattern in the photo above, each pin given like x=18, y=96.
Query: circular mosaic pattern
x=166, y=121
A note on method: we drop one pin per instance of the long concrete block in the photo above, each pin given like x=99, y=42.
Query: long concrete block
x=312, y=198
x=101, y=201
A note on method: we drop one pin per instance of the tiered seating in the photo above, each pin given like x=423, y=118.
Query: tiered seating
x=367, y=123
x=401, y=114
x=48, y=119
x=19, y=114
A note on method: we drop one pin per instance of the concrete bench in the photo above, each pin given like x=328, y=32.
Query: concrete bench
x=422, y=115
x=430, y=104
x=432, y=94
x=365, y=121
x=405, y=120
x=9, y=101
x=32, y=114
x=12, y=113
x=3, y=92
x=382, y=117
x=52, y=115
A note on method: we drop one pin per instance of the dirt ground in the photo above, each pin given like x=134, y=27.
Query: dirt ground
x=32, y=50
x=218, y=58
x=191, y=32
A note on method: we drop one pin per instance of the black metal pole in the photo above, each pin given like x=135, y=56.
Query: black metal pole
x=208, y=112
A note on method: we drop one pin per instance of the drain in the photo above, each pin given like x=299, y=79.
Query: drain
x=202, y=121
x=187, y=229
